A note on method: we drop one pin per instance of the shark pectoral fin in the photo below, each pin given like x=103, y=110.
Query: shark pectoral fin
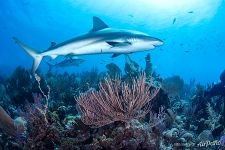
x=112, y=43
x=118, y=44
x=98, y=24
x=71, y=56
x=53, y=56
x=115, y=55
x=151, y=47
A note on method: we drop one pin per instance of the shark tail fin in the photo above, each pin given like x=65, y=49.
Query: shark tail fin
x=36, y=57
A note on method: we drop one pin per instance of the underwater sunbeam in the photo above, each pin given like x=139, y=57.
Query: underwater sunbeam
x=172, y=4
x=205, y=8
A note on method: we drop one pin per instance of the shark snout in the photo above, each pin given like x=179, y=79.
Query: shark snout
x=158, y=42
x=154, y=41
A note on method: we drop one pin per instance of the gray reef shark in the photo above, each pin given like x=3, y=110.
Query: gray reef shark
x=100, y=40
x=67, y=63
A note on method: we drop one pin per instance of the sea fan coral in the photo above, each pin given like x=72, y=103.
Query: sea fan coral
x=213, y=118
x=116, y=101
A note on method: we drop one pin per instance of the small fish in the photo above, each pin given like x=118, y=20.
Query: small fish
x=187, y=51
x=161, y=49
x=67, y=63
x=181, y=44
x=130, y=15
x=174, y=20
x=191, y=12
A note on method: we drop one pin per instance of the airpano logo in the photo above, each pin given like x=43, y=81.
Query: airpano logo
x=202, y=144
x=220, y=142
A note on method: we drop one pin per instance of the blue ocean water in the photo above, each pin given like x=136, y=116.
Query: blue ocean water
x=156, y=103
x=193, y=32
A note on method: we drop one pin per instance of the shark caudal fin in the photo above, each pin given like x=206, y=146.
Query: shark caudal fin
x=36, y=57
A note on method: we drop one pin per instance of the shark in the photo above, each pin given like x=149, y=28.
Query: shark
x=101, y=39
x=68, y=62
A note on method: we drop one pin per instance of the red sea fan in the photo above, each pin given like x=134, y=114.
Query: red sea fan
x=116, y=101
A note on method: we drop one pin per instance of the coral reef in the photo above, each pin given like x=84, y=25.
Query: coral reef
x=131, y=68
x=19, y=85
x=4, y=98
x=113, y=70
x=148, y=66
x=10, y=126
x=110, y=111
x=116, y=101
x=173, y=85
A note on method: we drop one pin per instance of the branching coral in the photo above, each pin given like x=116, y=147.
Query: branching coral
x=46, y=96
x=42, y=131
x=213, y=119
x=19, y=86
x=157, y=118
x=4, y=98
x=116, y=101
x=63, y=87
x=134, y=138
x=131, y=68
x=113, y=70
x=89, y=79
x=148, y=65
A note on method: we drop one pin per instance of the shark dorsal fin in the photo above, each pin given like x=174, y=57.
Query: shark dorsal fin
x=98, y=24
x=51, y=45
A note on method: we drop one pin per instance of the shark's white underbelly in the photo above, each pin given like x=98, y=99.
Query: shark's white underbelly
x=100, y=48
x=94, y=48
